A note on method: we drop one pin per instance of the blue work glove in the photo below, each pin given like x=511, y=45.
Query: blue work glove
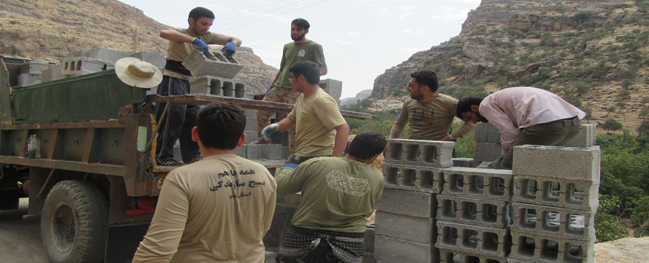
x=229, y=49
x=270, y=129
x=201, y=45
x=269, y=88
x=290, y=165
x=495, y=164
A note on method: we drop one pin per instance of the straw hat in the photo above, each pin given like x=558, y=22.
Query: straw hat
x=138, y=73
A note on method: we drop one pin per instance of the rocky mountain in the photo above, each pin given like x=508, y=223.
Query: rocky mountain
x=50, y=29
x=594, y=53
x=359, y=96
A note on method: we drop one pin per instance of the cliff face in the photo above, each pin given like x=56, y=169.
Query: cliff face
x=50, y=29
x=593, y=53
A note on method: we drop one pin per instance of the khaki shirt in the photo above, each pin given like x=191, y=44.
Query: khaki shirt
x=215, y=210
x=430, y=120
x=179, y=50
x=315, y=118
x=338, y=194
x=298, y=52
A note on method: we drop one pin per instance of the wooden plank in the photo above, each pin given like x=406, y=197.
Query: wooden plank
x=87, y=147
x=199, y=99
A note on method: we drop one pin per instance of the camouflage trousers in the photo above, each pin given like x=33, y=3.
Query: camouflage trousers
x=281, y=95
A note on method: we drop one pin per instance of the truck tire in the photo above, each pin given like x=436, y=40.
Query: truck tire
x=74, y=222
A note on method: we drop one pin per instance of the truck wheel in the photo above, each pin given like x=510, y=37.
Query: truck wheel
x=74, y=222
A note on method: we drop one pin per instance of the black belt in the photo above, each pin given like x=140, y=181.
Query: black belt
x=177, y=66
x=567, y=119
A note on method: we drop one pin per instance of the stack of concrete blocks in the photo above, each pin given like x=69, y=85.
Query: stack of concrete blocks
x=76, y=66
x=213, y=74
x=30, y=72
x=473, y=215
x=94, y=60
x=405, y=225
x=332, y=87
x=554, y=203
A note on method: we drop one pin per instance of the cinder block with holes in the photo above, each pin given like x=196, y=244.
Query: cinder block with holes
x=211, y=85
x=566, y=193
x=465, y=162
x=486, y=132
x=75, y=66
x=554, y=221
x=473, y=239
x=487, y=152
x=420, y=152
x=450, y=256
x=418, y=229
x=586, y=137
x=389, y=249
x=494, y=184
x=479, y=212
x=212, y=64
x=408, y=202
x=542, y=248
x=34, y=67
x=419, y=178
x=559, y=162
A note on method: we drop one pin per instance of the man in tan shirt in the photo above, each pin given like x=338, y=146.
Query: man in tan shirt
x=217, y=209
x=429, y=114
x=181, y=119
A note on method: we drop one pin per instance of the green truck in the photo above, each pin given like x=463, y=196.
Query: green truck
x=95, y=184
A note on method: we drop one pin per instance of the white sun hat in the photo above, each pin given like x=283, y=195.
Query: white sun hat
x=138, y=73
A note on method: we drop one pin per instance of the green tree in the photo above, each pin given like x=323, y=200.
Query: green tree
x=609, y=110
x=611, y=125
x=644, y=113
x=622, y=107
x=640, y=217
x=643, y=129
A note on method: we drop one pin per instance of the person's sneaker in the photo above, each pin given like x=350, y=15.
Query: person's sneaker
x=171, y=162
x=196, y=159
x=260, y=141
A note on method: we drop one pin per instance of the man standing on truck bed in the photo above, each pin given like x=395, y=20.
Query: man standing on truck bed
x=216, y=209
x=180, y=119
x=282, y=90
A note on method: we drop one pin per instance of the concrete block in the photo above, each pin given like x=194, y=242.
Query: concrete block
x=286, y=152
x=210, y=85
x=450, y=256
x=390, y=249
x=332, y=87
x=407, y=202
x=254, y=151
x=107, y=54
x=34, y=67
x=54, y=73
x=251, y=114
x=417, y=229
x=554, y=221
x=28, y=79
x=75, y=66
x=473, y=239
x=494, y=184
x=511, y=260
x=541, y=248
x=464, y=162
x=420, y=152
x=251, y=124
x=368, y=241
x=272, y=151
x=155, y=58
x=487, y=152
x=241, y=151
x=586, y=137
x=472, y=211
x=78, y=53
x=564, y=193
x=212, y=64
x=486, y=132
x=250, y=136
x=552, y=161
x=418, y=178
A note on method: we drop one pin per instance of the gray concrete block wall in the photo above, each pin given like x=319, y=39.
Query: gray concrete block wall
x=417, y=229
x=465, y=162
x=390, y=249
x=556, y=161
x=542, y=248
x=557, y=192
x=407, y=202
x=449, y=256
x=55, y=72
x=487, y=152
x=420, y=152
x=478, y=212
x=210, y=85
x=418, y=178
x=473, y=239
x=368, y=245
x=568, y=223
x=494, y=184
x=212, y=64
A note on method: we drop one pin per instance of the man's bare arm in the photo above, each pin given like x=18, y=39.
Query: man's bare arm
x=342, y=133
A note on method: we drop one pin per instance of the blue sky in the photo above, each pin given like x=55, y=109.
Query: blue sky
x=361, y=38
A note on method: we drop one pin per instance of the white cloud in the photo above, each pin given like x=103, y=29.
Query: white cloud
x=412, y=7
x=406, y=14
x=407, y=31
x=344, y=42
x=353, y=33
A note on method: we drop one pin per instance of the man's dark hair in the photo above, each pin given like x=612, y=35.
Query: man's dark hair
x=367, y=144
x=220, y=125
x=301, y=23
x=464, y=105
x=426, y=78
x=307, y=69
x=199, y=12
